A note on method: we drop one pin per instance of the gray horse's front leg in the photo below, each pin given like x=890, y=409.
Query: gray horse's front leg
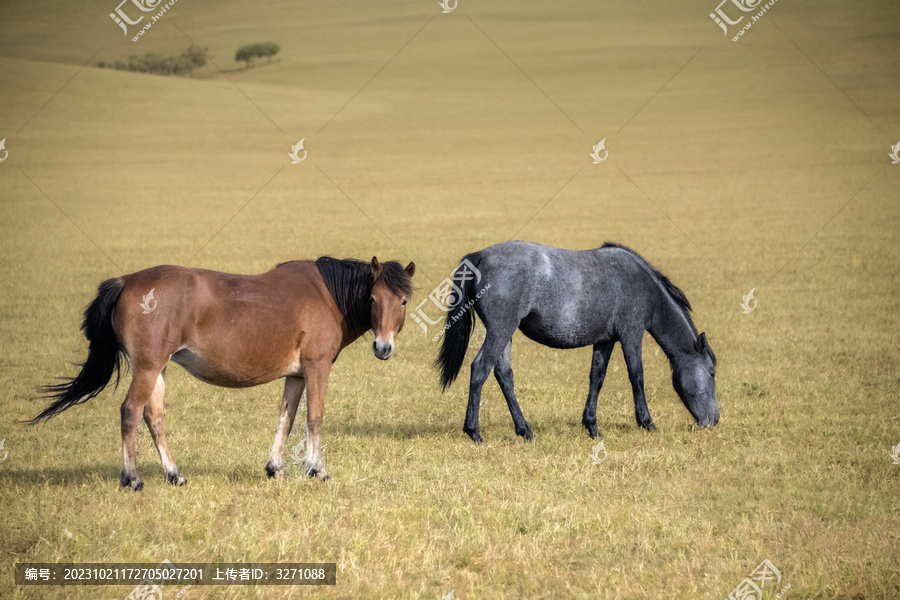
x=631, y=348
x=599, y=363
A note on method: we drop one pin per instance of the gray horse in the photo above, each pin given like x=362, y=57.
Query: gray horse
x=570, y=299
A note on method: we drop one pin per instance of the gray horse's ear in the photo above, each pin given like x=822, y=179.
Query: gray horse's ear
x=702, y=347
x=410, y=269
x=701, y=344
x=376, y=267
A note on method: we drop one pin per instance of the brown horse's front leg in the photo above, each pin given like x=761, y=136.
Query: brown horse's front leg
x=293, y=390
x=316, y=381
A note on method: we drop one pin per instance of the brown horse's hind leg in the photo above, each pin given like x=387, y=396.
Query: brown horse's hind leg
x=143, y=386
x=293, y=391
x=317, y=381
x=154, y=417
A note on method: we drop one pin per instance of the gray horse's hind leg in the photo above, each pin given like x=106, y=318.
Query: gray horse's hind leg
x=487, y=357
x=631, y=348
x=504, y=374
x=599, y=363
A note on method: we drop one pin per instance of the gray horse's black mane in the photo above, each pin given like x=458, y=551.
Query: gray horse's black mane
x=673, y=290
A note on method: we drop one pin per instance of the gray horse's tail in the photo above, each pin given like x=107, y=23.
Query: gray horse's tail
x=460, y=322
x=103, y=359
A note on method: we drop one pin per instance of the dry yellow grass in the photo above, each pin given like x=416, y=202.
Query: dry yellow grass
x=761, y=164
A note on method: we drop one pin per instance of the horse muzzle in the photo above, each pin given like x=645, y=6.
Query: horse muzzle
x=710, y=420
x=383, y=350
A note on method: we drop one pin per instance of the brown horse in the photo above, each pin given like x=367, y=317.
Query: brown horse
x=234, y=331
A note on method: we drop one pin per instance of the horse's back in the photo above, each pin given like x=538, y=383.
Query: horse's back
x=562, y=298
x=227, y=329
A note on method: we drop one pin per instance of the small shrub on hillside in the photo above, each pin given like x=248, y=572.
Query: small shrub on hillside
x=155, y=64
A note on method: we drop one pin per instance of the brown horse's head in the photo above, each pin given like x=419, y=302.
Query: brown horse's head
x=390, y=292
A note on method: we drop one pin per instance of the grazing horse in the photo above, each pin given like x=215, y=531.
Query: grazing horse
x=234, y=331
x=569, y=299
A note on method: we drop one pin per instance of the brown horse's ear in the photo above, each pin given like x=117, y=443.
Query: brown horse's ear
x=376, y=267
x=410, y=269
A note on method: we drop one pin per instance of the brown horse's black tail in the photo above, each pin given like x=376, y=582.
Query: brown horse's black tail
x=104, y=355
x=460, y=322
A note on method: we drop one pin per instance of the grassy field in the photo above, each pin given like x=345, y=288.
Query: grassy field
x=760, y=164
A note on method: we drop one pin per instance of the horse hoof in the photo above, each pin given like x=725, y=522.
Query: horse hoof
x=526, y=434
x=271, y=471
x=593, y=431
x=319, y=474
x=133, y=484
x=648, y=426
x=476, y=437
x=175, y=479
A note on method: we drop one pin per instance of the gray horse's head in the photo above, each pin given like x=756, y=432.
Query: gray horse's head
x=694, y=379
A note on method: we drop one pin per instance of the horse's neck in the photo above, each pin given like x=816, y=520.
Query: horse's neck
x=357, y=314
x=673, y=332
x=350, y=337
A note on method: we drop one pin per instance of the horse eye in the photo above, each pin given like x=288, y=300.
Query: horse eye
x=372, y=299
x=403, y=303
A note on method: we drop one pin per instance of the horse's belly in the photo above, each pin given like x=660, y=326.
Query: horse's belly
x=559, y=332
x=209, y=371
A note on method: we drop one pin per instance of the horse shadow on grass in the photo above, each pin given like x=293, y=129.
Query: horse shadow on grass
x=407, y=431
x=403, y=431
x=95, y=473
x=98, y=475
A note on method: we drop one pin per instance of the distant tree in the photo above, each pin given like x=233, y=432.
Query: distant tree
x=269, y=49
x=195, y=55
x=155, y=64
x=248, y=53
x=244, y=54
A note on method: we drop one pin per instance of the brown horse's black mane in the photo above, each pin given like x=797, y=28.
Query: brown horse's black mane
x=350, y=282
